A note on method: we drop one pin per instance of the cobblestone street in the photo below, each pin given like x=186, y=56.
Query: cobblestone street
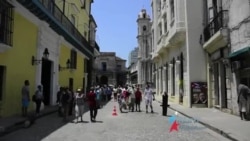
x=131, y=126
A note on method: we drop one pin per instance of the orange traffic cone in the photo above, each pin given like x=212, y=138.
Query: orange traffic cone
x=114, y=111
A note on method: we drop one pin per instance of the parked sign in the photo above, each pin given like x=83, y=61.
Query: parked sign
x=199, y=92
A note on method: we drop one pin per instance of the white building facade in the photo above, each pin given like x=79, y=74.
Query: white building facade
x=239, y=25
x=145, y=48
x=179, y=60
x=226, y=41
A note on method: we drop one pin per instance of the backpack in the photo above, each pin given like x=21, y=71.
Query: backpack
x=34, y=98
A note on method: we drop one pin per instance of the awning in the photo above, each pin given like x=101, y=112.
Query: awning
x=239, y=52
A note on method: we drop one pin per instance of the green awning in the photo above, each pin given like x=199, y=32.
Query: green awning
x=239, y=52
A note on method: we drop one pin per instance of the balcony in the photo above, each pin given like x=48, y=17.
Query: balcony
x=96, y=49
x=177, y=34
x=162, y=44
x=216, y=33
x=177, y=29
x=48, y=11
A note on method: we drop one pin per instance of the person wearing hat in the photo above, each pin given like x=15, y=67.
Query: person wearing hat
x=79, y=104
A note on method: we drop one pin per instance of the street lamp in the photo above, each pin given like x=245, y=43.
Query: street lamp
x=45, y=56
x=68, y=66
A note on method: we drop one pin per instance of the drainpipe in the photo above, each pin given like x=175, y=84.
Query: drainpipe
x=64, y=7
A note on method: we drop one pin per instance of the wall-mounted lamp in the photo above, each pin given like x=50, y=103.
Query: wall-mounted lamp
x=68, y=66
x=45, y=56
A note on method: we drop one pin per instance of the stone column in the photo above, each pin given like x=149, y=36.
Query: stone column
x=150, y=72
x=139, y=79
x=157, y=81
x=160, y=80
x=164, y=79
x=86, y=82
x=171, y=78
x=177, y=77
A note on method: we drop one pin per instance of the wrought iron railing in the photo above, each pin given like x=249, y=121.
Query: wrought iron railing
x=6, y=23
x=66, y=23
x=219, y=21
x=97, y=46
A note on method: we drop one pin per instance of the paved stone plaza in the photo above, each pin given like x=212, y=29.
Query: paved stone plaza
x=131, y=126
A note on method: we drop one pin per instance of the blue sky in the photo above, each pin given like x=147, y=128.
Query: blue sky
x=117, y=26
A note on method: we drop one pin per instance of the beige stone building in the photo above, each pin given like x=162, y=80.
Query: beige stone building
x=109, y=70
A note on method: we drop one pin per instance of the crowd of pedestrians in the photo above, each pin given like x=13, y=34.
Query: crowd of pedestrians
x=76, y=102
x=130, y=98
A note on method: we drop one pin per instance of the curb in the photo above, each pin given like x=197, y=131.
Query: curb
x=25, y=123
x=219, y=131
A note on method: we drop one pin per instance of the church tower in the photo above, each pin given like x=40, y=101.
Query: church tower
x=145, y=48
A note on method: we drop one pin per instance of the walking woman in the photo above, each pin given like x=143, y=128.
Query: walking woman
x=92, y=104
x=39, y=98
x=79, y=104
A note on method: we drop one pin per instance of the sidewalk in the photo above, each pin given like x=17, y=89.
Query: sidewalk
x=225, y=124
x=10, y=124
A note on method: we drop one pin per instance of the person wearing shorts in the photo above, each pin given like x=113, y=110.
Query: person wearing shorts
x=148, y=93
x=25, y=97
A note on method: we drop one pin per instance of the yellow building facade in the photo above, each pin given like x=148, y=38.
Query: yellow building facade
x=29, y=28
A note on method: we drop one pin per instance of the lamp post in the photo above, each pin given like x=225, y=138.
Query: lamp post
x=45, y=56
x=68, y=66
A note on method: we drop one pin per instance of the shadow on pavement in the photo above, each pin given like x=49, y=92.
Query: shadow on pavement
x=98, y=122
x=53, y=123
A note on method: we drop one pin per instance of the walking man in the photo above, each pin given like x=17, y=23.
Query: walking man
x=92, y=105
x=148, y=93
x=25, y=97
x=243, y=91
x=138, y=99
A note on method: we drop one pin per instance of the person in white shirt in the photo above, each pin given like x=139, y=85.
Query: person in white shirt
x=132, y=98
x=148, y=93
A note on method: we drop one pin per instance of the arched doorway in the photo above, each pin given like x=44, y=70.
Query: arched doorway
x=104, y=80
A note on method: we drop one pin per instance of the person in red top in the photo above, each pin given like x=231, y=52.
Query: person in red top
x=138, y=98
x=92, y=104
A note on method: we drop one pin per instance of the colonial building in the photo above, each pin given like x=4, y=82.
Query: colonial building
x=109, y=69
x=240, y=47
x=45, y=42
x=226, y=42
x=180, y=66
x=216, y=44
x=145, y=48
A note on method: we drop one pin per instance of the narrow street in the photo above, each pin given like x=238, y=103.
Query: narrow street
x=131, y=126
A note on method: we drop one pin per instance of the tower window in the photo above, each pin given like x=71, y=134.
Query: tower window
x=104, y=66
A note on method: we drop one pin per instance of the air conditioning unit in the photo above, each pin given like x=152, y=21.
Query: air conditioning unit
x=235, y=65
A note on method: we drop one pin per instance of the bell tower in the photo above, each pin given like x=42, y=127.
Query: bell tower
x=144, y=45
